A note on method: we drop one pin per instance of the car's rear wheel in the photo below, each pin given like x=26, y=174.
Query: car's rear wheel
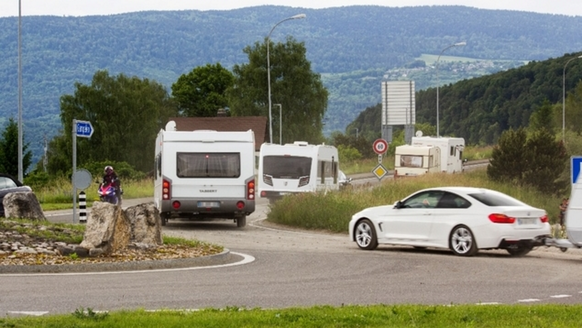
x=462, y=242
x=365, y=235
x=519, y=250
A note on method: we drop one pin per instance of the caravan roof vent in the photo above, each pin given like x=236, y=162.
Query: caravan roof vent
x=300, y=143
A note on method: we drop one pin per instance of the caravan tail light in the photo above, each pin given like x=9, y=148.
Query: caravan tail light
x=303, y=181
x=251, y=190
x=240, y=205
x=176, y=205
x=166, y=189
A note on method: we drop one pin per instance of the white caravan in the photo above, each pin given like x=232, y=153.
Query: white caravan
x=204, y=174
x=416, y=160
x=297, y=167
x=451, y=151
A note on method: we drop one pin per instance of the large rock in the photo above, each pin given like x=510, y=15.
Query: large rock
x=107, y=228
x=23, y=205
x=145, y=221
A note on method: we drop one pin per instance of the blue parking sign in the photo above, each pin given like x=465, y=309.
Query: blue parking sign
x=576, y=165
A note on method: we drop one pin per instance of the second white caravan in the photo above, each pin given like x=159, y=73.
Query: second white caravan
x=296, y=167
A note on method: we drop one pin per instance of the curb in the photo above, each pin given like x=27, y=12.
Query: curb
x=226, y=257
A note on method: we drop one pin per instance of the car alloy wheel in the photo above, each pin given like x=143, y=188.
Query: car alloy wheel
x=365, y=235
x=462, y=241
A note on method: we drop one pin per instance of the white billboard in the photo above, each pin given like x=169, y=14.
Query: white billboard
x=398, y=103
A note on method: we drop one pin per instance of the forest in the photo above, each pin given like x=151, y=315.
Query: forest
x=353, y=48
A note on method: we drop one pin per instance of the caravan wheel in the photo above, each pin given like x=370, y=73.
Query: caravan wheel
x=241, y=221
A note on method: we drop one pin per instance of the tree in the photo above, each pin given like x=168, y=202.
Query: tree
x=538, y=161
x=545, y=161
x=9, y=150
x=126, y=114
x=201, y=92
x=293, y=85
x=507, y=161
x=543, y=118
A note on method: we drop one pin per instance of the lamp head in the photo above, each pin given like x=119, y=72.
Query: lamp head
x=459, y=44
x=298, y=16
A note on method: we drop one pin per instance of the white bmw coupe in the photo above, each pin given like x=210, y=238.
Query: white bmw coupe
x=462, y=219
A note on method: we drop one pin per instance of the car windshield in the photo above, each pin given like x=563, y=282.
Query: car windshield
x=6, y=183
x=495, y=199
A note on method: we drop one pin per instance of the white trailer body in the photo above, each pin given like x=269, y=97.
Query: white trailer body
x=572, y=222
x=416, y=160
x=451, y=151
x=295, y=168
x=204, y=174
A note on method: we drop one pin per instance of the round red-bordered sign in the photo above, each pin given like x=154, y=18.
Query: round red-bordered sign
x=380, y=146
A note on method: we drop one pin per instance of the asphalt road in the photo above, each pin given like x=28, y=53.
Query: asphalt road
x=286, y=268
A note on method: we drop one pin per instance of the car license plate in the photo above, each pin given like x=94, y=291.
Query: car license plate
x=208, y=204
x=526, y=221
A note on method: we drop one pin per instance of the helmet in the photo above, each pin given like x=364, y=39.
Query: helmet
x=108, y=169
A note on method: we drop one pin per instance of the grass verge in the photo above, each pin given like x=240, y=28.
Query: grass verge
x=448, y=316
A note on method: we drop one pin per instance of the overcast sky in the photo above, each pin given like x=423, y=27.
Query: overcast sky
x=106, y=7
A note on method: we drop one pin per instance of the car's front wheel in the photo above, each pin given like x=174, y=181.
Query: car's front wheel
x=462, y=242
x=365, y=235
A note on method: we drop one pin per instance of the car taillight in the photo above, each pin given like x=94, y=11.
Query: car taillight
x=501, y=218
x=544, y=218
x=251, y=190
x=166, y=189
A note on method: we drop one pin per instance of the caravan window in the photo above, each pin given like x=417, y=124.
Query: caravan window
x=286, y=167
x=208, y=165
x=326, y=170
x=410, y=161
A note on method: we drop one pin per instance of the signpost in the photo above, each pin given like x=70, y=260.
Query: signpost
x=380, y=146
x=80, y=129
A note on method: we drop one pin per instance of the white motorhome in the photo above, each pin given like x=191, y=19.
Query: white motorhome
x=204, y=174
x=451, y=151
x=416, y=160
x=297, y=167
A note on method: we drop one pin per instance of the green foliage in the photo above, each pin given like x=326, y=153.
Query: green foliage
x=543, y=118
x=348, y=154
x=538, y=161
x=201, y=92
x=293, y=85
x=126, y=114
x=88, y=313
x=9, y=150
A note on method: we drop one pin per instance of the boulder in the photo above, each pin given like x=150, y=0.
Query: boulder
x=146, y=228
x=107, y=228
x=23, y=205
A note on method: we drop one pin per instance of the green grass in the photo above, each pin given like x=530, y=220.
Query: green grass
x=430, y=316
x=58, y=194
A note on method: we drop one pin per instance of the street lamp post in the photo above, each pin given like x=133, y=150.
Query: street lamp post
x=280, y=123
x=269, y=73
x=458, y=44
x=20, y=142
x=564, y=97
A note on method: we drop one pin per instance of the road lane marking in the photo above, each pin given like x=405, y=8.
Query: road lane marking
x=246, y=259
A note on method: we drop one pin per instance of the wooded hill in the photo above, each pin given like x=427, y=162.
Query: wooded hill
x=481, y=108
x=352, y=47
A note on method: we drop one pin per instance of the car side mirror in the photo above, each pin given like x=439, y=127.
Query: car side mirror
x=398, y=204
